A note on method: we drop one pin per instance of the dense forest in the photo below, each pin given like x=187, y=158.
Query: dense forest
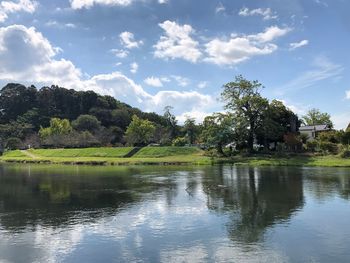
x=56, y=117
x=92, y=119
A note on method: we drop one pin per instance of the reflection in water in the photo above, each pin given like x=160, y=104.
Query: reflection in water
x=256, y=198
x=173, y=214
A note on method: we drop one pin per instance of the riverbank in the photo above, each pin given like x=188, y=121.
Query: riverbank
x=159, y=156
x=110, y=156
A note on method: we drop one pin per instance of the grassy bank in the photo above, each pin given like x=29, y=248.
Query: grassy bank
x=109, y=156
x=322, y=161
x=159, y=156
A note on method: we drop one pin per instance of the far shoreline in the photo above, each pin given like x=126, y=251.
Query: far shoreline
x=168, y=156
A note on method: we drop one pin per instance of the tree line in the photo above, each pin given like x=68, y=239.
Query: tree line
x=53, y=117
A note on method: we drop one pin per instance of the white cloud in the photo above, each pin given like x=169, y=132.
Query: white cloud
x=42, y=68
x=18, y=42
x=177, y=43
x=9, y=7
x=203, y=84
x=195, y=114
x=323, y=69
x=134, y=67
x=266, y=13
x=163, y=1
x=296, y=45
x=120, y=53
x=220, y=8
x=165, y=79
x=54, y=23
x=128, y=41
x=241, y=48
x=79, y=4
x=270, y=34
x=181, y=81
x=154, y=82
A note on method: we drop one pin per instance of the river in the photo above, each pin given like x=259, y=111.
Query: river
x=174, y=214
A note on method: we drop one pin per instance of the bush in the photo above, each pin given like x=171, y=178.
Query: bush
x=179, y=141
x=13, y=143
x=345, y=153
x=311, y=146
x=329, y=147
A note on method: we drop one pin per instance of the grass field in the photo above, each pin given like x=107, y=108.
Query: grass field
x=83, y=152
x=152, y=152
x=160, y=155
x=109, y=156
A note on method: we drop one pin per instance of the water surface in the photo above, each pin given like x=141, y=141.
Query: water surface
x=174, y=214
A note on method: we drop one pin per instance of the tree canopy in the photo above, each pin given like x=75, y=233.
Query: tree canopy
x=316, y=117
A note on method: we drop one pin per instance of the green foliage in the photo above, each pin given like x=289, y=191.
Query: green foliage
x=140, y=132
x=311, y=146
x=190, y=128
x=217, y=131
x=13, y=143
x=86, y=123
x=345, y=137
x=277, y=120
x=316, y=117
x=179, y=141
x=243, y=98
x=24, y=110
x=345, y=153
x=328, y=147
x=304, y=138
x=57, y=127
x=171, y=122
x=330, y=136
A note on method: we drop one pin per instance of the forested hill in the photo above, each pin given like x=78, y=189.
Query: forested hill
x=23, y=110
x=38, y=106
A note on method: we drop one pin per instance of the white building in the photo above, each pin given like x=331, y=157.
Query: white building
x=312, y=130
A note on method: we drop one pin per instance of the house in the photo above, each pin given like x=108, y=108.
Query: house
x=312, y=130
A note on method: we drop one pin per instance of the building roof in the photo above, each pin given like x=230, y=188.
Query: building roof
x=321, y=127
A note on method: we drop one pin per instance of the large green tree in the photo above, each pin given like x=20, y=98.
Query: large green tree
x=171, y=122
x=57, y=127
x=140, y=132
x=86, y=123
x=190, y=128
x=243, y=98
x=316, y=117
x=217, y=131
x=277, y=121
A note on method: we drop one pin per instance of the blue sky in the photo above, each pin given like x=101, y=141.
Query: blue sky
x=153, y=53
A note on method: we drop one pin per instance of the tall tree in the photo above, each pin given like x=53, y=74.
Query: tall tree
x=243, y=98
x=190, y=129
x=171, y=122
x=316, y=117
x=139, y=132
x=277, y=121
x=217, y=131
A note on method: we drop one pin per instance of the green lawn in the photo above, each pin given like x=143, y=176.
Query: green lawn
x=83, y=152
x=160, y=155
x=113, y=156
x=167, y=151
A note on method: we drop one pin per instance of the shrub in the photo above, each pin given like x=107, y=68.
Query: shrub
x=179, y=141
x=345, y=153
x=329, y=147
x=13, y=143
x=311, y=146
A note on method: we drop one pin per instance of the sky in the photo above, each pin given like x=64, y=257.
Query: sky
x=154, y=53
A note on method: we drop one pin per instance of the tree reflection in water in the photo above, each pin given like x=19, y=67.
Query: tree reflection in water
x=254, y=198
